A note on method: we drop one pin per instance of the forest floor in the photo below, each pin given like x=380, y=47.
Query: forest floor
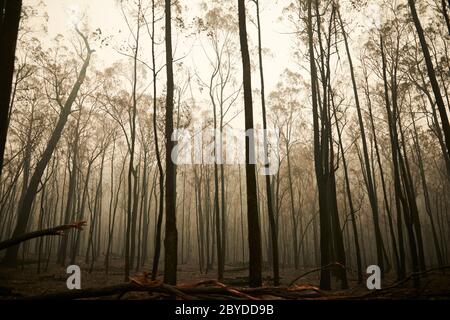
x=25, y=281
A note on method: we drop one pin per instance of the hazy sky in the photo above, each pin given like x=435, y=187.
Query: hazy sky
x=106, y=14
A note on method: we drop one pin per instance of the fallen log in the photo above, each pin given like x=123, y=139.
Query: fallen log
x=213, y=290
x=56, y=231
x=197, y=291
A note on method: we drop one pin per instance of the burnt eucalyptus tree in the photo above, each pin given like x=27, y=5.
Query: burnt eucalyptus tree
x=270, y=210
x=9, y=28
x=24, y=210
x=320, y=167
x=171, y=239
x=254, y=232
x=331, y=240
x=431, y=74
x=157, y=249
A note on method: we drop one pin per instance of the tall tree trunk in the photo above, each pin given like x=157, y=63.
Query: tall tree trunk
x=292, y=205
x=339, y=248
x=200, y=221
x=270, y=211
x=157, y=252
x=9, y=29
x=241, y=205
x=142, y=213
x=217, y=158
x=130, y=235
x=254, y=232
x=223, y=207
x=321, y=177
x=171, y=239
x=209, y=235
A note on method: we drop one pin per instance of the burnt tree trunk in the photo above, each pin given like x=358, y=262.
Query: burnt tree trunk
x=270, y=210
x=321, y=175
x=254, y=232
x=431, y=74
x=9, y=28
x=171, y=237
x=158, y=225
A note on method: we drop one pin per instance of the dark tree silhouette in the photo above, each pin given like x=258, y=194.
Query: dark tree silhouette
x=9, y=28
x=254, y=232
x=270, y=211
x=431, y=74
x=171, y=239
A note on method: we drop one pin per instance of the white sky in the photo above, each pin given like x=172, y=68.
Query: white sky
x=106, y=14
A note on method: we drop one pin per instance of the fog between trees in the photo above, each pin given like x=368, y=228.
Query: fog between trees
x=361, y=108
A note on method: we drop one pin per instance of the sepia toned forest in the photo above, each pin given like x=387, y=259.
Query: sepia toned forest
x=92, y=93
